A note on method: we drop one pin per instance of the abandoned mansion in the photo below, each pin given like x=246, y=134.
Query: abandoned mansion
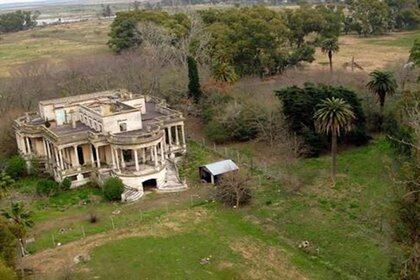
x=94, y=136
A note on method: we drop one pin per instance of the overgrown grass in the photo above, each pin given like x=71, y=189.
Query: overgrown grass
x=345, y=226
x=404, y=40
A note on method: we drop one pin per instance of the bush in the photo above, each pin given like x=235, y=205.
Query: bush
x=7, y=273
x=16, y=167
x=8, y=244
x=113, y=188
x=400, y=136
x=47, y=187
x=65, y=184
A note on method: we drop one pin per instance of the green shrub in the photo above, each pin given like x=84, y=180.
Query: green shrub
x=16, y=167
x=113, y=188
x=5, y=182
x=47, y=187
x=399, y=135
x=217, y=132
x=8, y=243
x=65, y=184
x=7, y=273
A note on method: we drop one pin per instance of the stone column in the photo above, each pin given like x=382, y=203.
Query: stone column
x=117, y=160
x=28, y=146
x=176, y=136
x=136, y=160
x=92, y=159
x=45, y=147
x=60, y=154
x=143, y=155
x=155, y=155
x=76, y=157
x=114, y=165
x=151, y=154
x=170, y=137
x=162, y=151
x=57, y=162
x=98, y=160
x=184, y=143
x=122, y=159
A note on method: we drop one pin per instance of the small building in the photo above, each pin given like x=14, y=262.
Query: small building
x=213, y=171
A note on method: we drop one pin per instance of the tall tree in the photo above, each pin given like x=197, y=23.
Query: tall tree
x=333, y=116
x=124, y=36
x=382, y=83
x=330, y=46
x=194, y=89
x=22, y=218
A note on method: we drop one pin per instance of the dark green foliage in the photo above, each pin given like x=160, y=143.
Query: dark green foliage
x=16, y=167
x=177, y=24
x=6, y=272
x=415, y=53
x=65, y=184
x=399, y=135
x=17, y=21
x=405, y=14
x=217, y=132
x=47, y=187
x=5, y=182
x=124, y=36
x=8, y=243
x=248, y=41
x=299, y=106
x=113, y=188
x=369, y=17
x=322, y=20
x=194, y=89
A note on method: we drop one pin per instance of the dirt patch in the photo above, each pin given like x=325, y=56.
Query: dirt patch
x=52, y=261
x=265, y=262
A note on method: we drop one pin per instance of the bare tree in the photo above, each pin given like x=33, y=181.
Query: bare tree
x=233, y=189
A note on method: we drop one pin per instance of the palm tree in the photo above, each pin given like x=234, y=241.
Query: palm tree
x=223, y=72
x=330, y=46
x=333, y=116
x=22, y=219
x=382, y=83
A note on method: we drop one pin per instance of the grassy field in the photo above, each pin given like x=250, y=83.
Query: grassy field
x=370, y=53
x=171, y=234
x=52, y=44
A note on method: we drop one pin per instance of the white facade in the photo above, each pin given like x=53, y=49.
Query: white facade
x=112, y=133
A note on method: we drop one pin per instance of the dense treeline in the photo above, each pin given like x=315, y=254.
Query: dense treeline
x=259, y=41
x=300, y=105
x=17, y=21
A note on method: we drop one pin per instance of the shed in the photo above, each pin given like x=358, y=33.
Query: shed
x=211, y=172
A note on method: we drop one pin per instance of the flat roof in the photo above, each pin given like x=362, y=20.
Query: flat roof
x=220, y=167
x=82, y=97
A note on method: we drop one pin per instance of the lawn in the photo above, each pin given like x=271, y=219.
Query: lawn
x=345, y=225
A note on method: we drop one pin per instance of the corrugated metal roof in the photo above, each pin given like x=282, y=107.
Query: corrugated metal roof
x=220, y=167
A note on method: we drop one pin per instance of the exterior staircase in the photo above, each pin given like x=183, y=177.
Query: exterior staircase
x=131, y=194
x=172, y=181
